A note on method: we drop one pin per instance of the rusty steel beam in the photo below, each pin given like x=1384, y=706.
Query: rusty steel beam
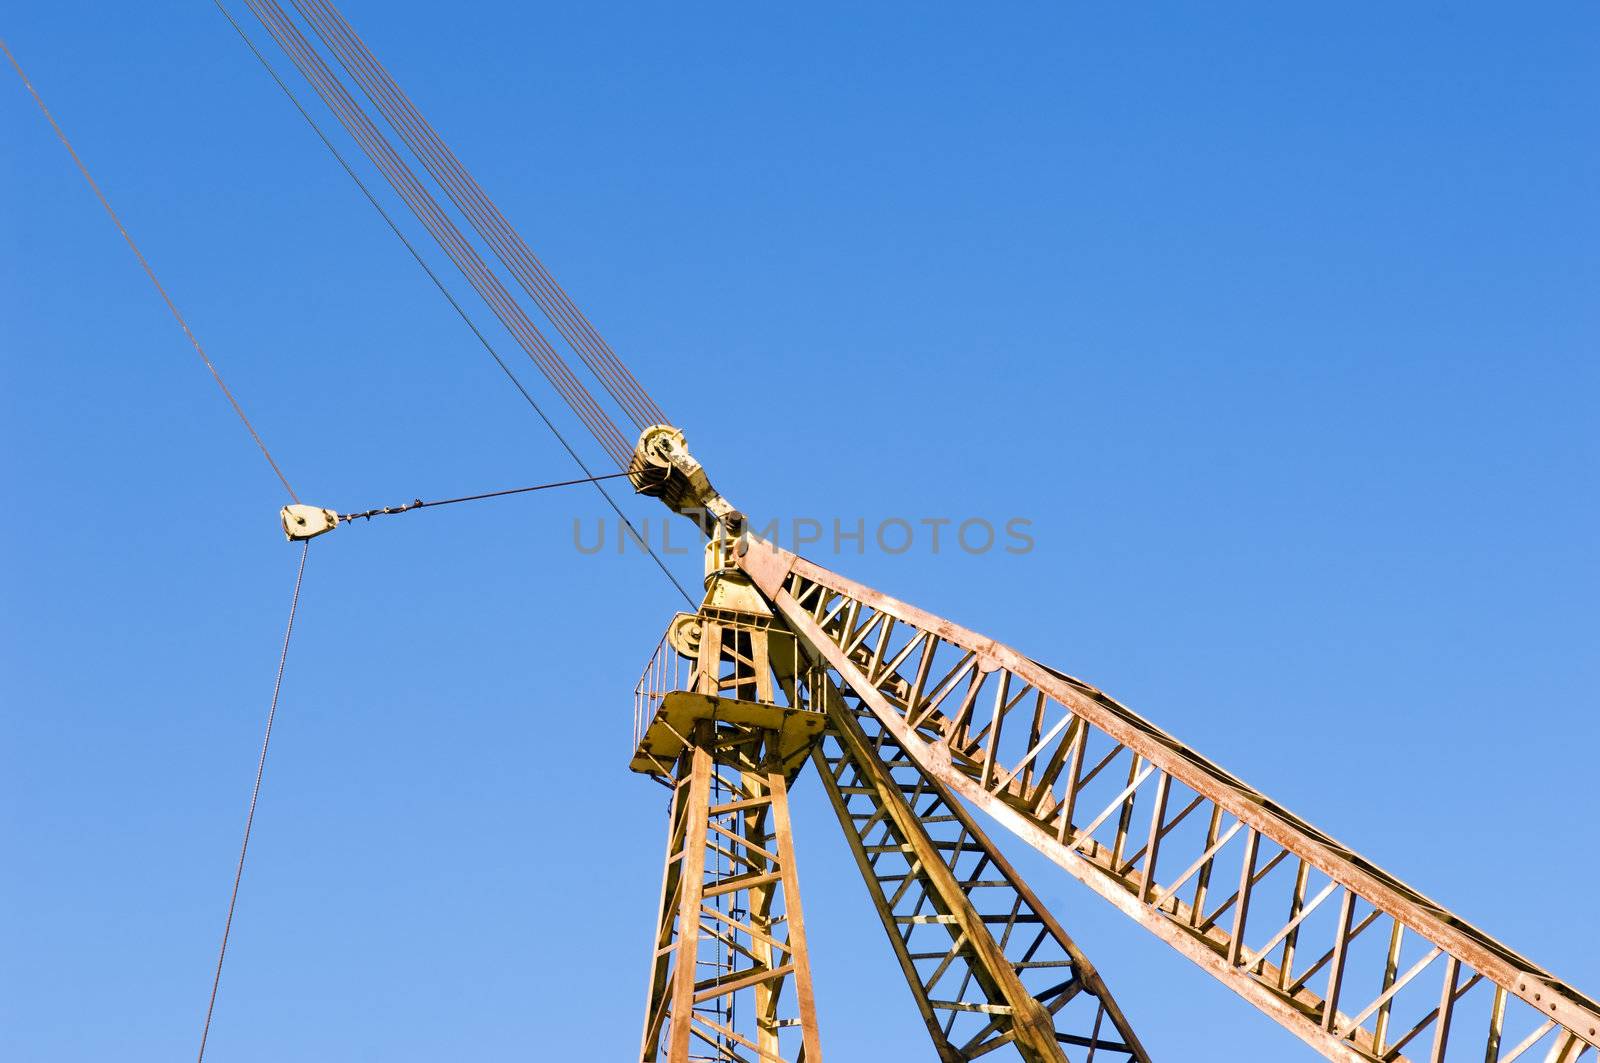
x=1304, y=928
x=987, y=963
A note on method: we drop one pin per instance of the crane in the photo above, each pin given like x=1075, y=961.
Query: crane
x=921, y=717
x=925, y=737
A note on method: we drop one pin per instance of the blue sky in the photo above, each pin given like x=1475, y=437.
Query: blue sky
x=1276, y=321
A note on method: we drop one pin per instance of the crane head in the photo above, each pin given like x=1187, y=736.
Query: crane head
x=663, y=468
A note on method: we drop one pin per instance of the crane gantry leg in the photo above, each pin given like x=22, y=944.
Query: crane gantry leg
x=731, y=934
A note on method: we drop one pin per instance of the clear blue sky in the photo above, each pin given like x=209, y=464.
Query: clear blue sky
x=1278, y=321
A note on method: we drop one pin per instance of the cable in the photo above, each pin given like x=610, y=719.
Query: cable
x=480, y=209
x=143, y=262
x=422, y=204
x=455, y=305
x=255, y=796
x=486, y=218
x=420, y=504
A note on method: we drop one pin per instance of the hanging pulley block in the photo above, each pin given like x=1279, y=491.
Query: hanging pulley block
x=307, y=522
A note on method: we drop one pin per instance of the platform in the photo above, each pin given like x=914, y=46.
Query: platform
x=680, y=710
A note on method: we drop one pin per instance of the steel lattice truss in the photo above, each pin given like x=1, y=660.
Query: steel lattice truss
x=730, y=928
x=1353, y=961
x=987, y=963
x=910, y=719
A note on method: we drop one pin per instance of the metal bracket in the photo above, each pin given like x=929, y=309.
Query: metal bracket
x=307, y=522
x=663, y=468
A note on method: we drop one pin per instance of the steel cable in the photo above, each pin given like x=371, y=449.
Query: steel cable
x=255, y=796
x=455, y=304
x=422, y=204
x=144, y=263
x=420, y=504
x=486, y=218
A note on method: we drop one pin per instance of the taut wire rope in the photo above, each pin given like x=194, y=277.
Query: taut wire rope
x=444, y=231
x=148, y=272
x=392, y=102
x=420, y=504
x=255, y=796
x=455, y=304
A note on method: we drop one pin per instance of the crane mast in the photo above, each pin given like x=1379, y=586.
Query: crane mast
x=914, y=718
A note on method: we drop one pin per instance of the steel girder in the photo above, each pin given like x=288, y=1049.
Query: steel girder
x=1354, y=962
x=986, y=961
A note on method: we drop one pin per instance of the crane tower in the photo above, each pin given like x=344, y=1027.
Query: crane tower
x=907, y=720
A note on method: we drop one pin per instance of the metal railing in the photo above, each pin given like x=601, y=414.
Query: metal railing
x=667, y=670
